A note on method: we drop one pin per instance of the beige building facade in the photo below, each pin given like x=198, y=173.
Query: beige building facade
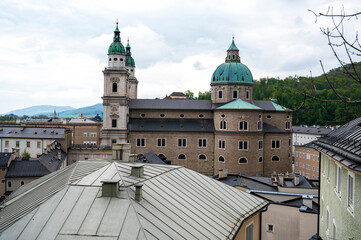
x=307, y=161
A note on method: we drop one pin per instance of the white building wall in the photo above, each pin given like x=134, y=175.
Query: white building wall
x=34, y=148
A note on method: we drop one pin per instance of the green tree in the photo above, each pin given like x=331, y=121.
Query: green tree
x=25, y=154
x=189, y=94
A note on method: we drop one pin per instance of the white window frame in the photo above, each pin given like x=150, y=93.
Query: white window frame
x=220, y=92
x=245, y=147
x=279, y=144
x=244, y=125
x=322, y=207
x=203, y=142
x=223, y=124
x=234, y=91
x=288, y=125
x=338, y=180
x=259, y=125
x=221, y=144
x=267, y=227
x=248, y=225
x=351, y=207
x=161, y=142
x=142, y=142
x=182, y=145
x=260, y=144
x=327, y=221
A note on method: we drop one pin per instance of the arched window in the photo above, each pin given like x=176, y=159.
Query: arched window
x=260, y=159
x=22, y=183
x=222, y=124
x=181, y=157
x=115, y=87
x=242, y=160
x=202, y=157
x=275, y=158
x=221, y=159
x=162, y=156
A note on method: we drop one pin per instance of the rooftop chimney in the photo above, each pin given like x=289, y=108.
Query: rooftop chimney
x=280, y=179
x=222, y=173
x=110, y=187
x=121, y=151
x=138, y=192
x=137, y=170
x=274, y=182
x=296, y=179
x=59, y=154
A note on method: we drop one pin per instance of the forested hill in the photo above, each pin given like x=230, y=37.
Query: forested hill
x=287, y=92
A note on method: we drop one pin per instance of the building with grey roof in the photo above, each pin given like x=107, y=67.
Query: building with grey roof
x=101, y=199
x=33, y=140
x=340, y=182
x=229, y=131
x=304, y=134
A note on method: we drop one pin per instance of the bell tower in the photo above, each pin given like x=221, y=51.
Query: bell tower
x=116, y=94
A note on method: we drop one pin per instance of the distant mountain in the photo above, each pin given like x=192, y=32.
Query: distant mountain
x=40, y=110
x=90, y=111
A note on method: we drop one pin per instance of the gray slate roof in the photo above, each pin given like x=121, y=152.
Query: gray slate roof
x=267, y=128
x=4, y=159
x=151, y=158
x=31, y=132
x=171, y=104
x=343, y=144
x=35, y=167
x=178, y=203
x=320, y=130
x=170, y=125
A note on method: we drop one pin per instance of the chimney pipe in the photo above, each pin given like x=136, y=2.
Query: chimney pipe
x=280, y=179
x=138, y=192
x=110, y=187
x=296, y=179
x=222, y=173
x=137, y=170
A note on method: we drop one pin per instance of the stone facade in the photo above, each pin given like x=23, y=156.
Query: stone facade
x=247, y=136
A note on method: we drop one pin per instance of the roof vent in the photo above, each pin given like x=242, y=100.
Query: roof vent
x=137, y=170
x=138, y=192
x=110, y=187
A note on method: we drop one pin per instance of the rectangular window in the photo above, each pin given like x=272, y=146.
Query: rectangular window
x=114, y=123
x=161, y=142
x=38, y=144
x=235, y=94
x=222, y=144
x=260, y=144
x=334, y=231
x=275, y=143
x=202, y=142
x=85, y=134
x=328, y=168
x=6, y=143
x=28, y=144
x=182, y=142
x=243, y=145
x=243, y=126
x=247, y=94
x=350, y=191
x=327, y=221
x=289, y=142
x=249, y=232
x=259, y=125
x=296, y=164
x=220, y=94
x=288, y=125
x=140, y=142
x=223, y=125
x=321, y=209
x=93, y=134
x=270, y=228
x=308, y=166
x=93, y=142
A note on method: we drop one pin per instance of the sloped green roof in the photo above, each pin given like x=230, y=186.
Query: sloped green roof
x=233, y=72
x=232, y=47
x=116, y=48
x=279, y=107
x=239, y=104
x=129, y=61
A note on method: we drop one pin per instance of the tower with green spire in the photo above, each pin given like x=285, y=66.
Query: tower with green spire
x=120, y=85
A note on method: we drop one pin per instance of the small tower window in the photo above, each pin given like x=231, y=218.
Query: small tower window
x=247, y=94
x=162, y=115
x=121, y=59
x=220, y=94
x=115, y=87
x=233, y=57
x=110, y=59
x=114, y=123
x=235, y=94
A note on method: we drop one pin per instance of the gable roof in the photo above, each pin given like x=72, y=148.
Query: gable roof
x=178, y=203
x=239, y=104
x=343, y=144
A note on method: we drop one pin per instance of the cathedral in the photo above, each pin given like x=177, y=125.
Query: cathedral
x=231, y=131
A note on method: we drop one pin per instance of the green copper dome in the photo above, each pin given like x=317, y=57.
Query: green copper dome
x=232, y=72
x=129, y=61
x=116, y=47
x=232, y=47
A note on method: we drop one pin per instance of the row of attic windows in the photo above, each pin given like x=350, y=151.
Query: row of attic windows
x=244, y=160
x=116, y=59
x=163, y=115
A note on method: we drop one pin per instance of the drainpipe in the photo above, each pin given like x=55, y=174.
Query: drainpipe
x=260, y=219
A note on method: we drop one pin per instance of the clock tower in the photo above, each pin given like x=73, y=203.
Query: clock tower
x=119, y=86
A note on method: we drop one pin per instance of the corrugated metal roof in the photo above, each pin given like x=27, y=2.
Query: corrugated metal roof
x=178, y=203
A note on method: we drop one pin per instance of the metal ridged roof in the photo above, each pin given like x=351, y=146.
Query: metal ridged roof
x=178, y=203
x=239, y=104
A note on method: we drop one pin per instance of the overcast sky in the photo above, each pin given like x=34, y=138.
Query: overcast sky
x=53, y=52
